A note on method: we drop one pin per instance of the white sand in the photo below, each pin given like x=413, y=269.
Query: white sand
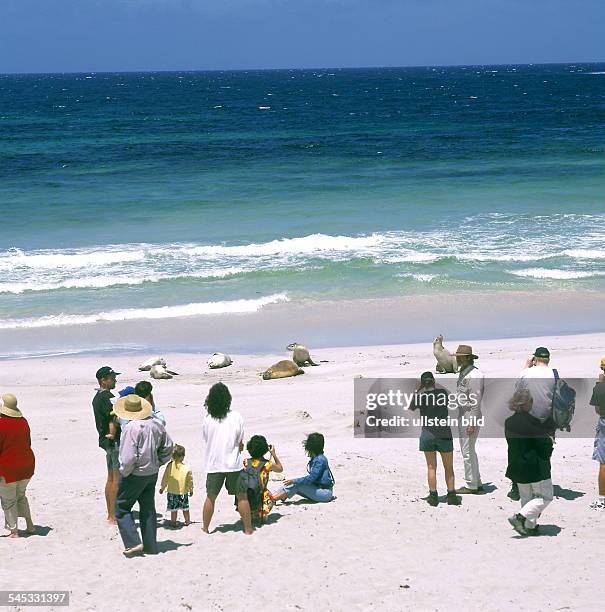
x=378, y=546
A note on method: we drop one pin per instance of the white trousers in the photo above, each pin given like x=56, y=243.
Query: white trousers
x=14, y=502
x=469, y=456
x=535, y=496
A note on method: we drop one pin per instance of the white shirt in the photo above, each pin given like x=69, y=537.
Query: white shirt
x=222, y=439
x=539, y=380
x=471, y=380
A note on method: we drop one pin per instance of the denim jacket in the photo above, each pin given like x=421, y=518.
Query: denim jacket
x=319, y=473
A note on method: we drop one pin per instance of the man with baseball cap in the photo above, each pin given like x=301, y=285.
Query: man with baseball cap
x=471, y=380
x=102, y=406
x=539, y=379
x=598, y=401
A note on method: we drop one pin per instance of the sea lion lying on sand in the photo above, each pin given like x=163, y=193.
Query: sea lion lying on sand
x=300, y=354
x=147, y=365
x=446, y=362
x=219, y=360
x=282, y=369
x=160, y=372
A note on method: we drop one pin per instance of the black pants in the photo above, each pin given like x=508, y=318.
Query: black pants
x=139, y=489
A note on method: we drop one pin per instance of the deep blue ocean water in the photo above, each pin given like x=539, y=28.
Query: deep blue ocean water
x=164, y=194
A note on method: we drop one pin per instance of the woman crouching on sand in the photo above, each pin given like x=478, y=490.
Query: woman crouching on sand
x=17, y=464
x=318, y=484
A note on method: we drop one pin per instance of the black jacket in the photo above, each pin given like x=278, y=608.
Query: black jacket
x=529, y=448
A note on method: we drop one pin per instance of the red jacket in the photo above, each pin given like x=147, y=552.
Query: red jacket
x=17, y=460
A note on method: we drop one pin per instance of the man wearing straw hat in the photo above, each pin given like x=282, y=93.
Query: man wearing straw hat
x=144, y=447
x=470, y=380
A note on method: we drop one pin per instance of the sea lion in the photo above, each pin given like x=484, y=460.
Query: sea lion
x=147, y=365
x=446, y=362
x=219, y=360
x=282, y=369
x=160, y=372
x=300, y=355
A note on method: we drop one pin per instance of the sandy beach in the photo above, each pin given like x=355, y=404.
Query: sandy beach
x=377, y=546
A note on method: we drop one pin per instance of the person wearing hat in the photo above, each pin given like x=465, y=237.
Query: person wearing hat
x=143, y=389
x=432, y=402
x=144, y=447
x=538, y=378
x=17, y=463
x=471, y=380
x=598, y=401
x=109, y=434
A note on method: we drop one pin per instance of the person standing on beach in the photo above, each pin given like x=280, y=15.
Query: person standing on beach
x=529, y=451
x=471, y=380
x=598, y=401
x=223, y=436
x=538, y=378
x=102, y=406
x=17, y=463
x=432, y=402
x=143, y=389
x=144, y=447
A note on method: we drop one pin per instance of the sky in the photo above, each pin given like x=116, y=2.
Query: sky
x=141, y=35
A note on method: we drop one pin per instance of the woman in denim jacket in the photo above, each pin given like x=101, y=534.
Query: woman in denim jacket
x=318, y=484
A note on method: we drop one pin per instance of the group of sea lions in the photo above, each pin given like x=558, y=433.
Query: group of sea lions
x=156, y=366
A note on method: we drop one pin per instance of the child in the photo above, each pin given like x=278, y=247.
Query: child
x=318, y=484
x=258, y=465
x=529, y=452
x=178, y=482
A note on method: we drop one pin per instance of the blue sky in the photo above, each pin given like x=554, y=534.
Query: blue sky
x=114, y=35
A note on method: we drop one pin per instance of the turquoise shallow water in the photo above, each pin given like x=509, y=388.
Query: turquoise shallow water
x=156, y=195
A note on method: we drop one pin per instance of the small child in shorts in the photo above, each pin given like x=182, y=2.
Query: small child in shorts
x=178, y=484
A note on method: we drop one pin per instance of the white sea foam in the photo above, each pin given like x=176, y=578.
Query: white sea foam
x=585, y=253
x=554, y=274
x=164, y=312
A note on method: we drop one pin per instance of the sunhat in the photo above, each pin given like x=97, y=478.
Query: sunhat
x=603, y=362
x=9, y=406
x=465, y=350
x=132, y=408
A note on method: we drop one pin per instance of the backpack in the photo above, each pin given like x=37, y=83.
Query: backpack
x=563, y=403
x=254, y=485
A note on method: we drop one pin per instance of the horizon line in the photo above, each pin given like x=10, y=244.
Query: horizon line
x=292, y=69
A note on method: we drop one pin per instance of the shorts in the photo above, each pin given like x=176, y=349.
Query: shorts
x=430, y=443
x=599, y=442
x=235, y=484
x=113, y=459
x=177, y=502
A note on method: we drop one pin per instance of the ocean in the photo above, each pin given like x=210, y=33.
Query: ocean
x=163, y=195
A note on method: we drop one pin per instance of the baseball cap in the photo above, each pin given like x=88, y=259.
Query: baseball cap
x=106, y=371
x=542, y=352
x=425, y=376
x=126, y=391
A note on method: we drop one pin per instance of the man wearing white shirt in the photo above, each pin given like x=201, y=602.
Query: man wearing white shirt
x=223, y=436
x=471, y=380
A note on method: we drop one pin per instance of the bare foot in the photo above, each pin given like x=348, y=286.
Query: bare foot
x=135, y=550
x=112, y=520
x=13, y=534
x=187, y=523
x=250, y=532
x=205, y=530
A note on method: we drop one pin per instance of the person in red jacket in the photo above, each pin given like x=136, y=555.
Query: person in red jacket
x=17, y=464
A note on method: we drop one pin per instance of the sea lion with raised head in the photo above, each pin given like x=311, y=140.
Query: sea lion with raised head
x=219, y=360
x=147, y=365
x=282, y=369
x=300, y=354
x=446, y=362
x=159, y=372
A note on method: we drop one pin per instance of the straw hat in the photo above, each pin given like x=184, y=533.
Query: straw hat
x=9, y=406
x=132, y=408
x=603, y=362
x=464, y=350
